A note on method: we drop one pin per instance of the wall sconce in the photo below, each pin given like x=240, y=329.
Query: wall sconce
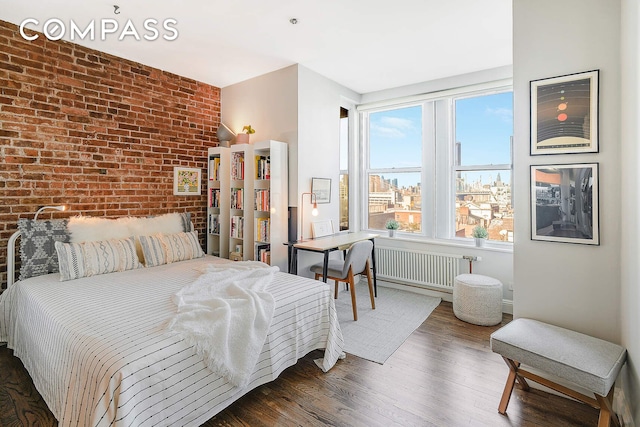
x=314, y=212
x=225, y=135
x=44, y=208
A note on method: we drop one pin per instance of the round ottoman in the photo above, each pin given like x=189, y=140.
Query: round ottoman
x=477, y=299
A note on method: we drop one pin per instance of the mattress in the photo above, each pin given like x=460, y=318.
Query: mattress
x=99, y=353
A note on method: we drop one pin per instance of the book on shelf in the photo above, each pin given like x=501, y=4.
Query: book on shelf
x=263, y=167
x=214, y=168
x=237, y=198
x=262, y=229
x=214, y=197
x=237, y=227
x=214, y=224
x=263, y=252
x=262, y=200
x=237, y=166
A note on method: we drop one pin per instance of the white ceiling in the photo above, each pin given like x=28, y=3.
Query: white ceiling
x=365, y=45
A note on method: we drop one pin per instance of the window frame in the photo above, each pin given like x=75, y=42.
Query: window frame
x=438, y=159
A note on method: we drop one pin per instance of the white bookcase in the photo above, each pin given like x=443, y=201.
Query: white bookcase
x=218, y=189
x=248, y=200
x=270, y=202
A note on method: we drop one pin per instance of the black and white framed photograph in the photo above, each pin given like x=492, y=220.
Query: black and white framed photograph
x=564, y=114
x=564, y=203
x=321, y=187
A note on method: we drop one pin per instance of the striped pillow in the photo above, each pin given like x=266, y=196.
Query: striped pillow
x=92, y=258
x=182, y=246
x=167, y=248
x=153, y=250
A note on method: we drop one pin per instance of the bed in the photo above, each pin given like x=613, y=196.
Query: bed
x=99, y=353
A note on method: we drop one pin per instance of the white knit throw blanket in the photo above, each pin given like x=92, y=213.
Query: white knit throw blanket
x=226, y=314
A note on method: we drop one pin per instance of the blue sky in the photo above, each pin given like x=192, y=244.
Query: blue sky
x=484, y=126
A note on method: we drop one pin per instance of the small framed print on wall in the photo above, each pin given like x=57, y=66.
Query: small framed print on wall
x=564, y=203
x=564, y=114
x=186, y=181
x=322, y=189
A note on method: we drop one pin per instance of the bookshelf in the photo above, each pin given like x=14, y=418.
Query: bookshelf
x=270, y=202
x=218, y=200
x=248, y=200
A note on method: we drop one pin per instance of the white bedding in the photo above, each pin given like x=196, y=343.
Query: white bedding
x=99, y=354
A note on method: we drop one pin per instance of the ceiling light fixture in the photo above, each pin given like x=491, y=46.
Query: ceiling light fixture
x=293, y=21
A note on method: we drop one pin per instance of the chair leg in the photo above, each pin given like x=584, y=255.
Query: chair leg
x=370, y=281
x=336, y=291
x=353, y=294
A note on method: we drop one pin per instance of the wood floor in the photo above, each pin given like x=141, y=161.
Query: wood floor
x=443, y=375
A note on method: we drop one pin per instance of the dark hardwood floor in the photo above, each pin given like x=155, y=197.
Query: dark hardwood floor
x=443, y=375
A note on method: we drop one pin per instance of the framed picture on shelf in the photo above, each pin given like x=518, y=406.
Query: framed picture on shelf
x=322, y=189
x=564, y=203
x=564, y=114
x=186, y=181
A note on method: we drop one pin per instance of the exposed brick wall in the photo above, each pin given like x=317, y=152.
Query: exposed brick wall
x=96, y=132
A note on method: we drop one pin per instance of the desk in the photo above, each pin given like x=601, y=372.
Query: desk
x=329, y=244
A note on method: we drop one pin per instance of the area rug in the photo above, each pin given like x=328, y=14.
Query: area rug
x=378, y=333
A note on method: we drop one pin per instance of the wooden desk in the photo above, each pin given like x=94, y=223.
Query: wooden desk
x=329, y=244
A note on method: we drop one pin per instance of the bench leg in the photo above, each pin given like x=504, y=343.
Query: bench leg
x=606, y=410
x=511, y=382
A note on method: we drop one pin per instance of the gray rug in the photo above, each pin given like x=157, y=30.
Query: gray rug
x=378, y=333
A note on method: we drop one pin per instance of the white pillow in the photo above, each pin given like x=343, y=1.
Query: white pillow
x=92, y=258
x=167, y=248
x=90, y=229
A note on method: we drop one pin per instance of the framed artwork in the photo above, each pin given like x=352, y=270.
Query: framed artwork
x=564, y=203
x=321, y=228
x=322, y=189
x=564, y=114
x=186, y=181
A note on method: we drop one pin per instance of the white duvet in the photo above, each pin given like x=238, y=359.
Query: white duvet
x=99, y=352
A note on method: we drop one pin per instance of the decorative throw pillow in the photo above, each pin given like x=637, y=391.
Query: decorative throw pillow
x=92, y=258
x=37, y=251
x=182, y=246
x=167, y=248
x=153, y=250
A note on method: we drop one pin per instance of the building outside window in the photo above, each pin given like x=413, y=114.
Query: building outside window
x=440, y=165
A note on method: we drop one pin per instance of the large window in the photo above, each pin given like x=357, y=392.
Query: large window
x=440, y=165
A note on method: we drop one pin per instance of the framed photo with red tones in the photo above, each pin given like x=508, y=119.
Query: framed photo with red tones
x=564, y=114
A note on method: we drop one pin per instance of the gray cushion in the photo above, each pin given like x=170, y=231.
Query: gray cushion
x=334, y=268
x=589, y=362
x=37, y=251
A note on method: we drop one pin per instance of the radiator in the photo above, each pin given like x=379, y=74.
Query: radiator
x=417, y=267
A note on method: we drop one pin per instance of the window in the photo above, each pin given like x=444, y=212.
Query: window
x=440, y=165
x=482, y=167
x=394, y=175
x=344, y=169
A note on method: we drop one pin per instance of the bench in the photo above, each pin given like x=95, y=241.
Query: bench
x=590, y=363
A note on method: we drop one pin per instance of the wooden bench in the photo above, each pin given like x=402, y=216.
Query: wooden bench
x=590, y=363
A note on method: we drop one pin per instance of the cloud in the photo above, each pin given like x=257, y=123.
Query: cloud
x=503, y=114
x=392, y=127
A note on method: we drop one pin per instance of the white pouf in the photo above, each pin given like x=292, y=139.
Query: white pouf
x=477, y=299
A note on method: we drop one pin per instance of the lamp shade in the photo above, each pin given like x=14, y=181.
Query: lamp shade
x=224, y=135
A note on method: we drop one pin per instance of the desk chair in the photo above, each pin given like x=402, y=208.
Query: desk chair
x=356, y=262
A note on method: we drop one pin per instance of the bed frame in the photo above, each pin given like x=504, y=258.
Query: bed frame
x=11, y=258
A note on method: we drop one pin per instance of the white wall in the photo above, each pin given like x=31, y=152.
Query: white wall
x=319, y=102
x=630, y=187
x=269, y=103
x=570, y=285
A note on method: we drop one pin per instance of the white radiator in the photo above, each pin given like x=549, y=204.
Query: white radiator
x=417, y=267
